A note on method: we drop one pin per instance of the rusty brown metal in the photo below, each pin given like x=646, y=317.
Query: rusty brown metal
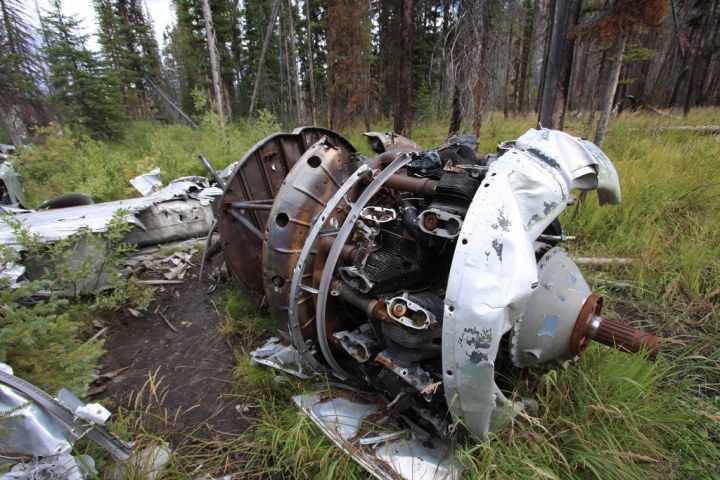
x=422, y=187
x=430, y=221
x=591, y=326
x=625, y=338
x=385, y=361
x=258, y=176
x=582, y=333
x=311, y=183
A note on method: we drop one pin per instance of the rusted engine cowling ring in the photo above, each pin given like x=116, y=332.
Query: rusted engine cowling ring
x=307, y=189
x=259, y=176
x=296, y=287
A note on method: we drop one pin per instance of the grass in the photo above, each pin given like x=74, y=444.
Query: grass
x=612, y=416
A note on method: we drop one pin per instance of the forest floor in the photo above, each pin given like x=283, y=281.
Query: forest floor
x=175, y=354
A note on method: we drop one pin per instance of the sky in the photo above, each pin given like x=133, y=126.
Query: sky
x=160, y=11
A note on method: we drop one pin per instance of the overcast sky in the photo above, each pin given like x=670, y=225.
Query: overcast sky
x=160, y=11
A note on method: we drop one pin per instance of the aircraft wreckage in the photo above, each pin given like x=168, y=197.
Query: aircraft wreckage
x=421, y=272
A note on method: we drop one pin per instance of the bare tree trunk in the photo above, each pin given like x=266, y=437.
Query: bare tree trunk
x=261, y=61
x=214, y=60
x=403, y=79
x=293, y=61
x=694, y=90
x=311, y=66
x=559, y=64
x=8, y=125
x=508, y=74
x=546, y=51
x=525, y=47
x=456, y=112
x=610, y=87
x=479, y=89
x=285, y=70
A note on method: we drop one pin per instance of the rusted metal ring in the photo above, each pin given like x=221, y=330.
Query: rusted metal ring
x=580, y=338
x=294, y=293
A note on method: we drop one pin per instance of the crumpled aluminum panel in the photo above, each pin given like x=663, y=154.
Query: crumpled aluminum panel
x=43, y=428
x=385, y=454
x=57, y=224
x=494, y=270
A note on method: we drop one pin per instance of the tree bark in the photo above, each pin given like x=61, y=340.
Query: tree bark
x=261, y=60
x=479, y=90
x=311, y=67
x=559, y=65
x=214, y=60
x=609, y=93
x=403, y=79
x=525, y=47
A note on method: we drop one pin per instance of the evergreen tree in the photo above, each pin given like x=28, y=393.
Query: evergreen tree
x=85, y=88
x=128, y=42
x=23, y=106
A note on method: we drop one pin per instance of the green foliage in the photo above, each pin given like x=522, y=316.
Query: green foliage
x=41, y=334
x=241, y=318
x=636, y=53
x=84, y=87
x=69, y=163
x=128, y=43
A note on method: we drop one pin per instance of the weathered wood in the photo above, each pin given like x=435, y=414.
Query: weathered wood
x=609, y=92
x=214, y=60
x=261, y=61
x=311, y=65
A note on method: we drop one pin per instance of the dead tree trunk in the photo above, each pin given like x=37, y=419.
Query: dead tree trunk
x=479, y=89
x=214, y=60
x=261, y=60
x=609, y=92
x=311, y=66
x=559, y=62
x=403, y=79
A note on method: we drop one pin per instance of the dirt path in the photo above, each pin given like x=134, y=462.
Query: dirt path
x=192, y=365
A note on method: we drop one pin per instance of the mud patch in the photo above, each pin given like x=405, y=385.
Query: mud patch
x=192, y=365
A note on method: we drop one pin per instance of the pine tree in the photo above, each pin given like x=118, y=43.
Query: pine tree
x=128, y=42
x=22, y=104
x=85, y=88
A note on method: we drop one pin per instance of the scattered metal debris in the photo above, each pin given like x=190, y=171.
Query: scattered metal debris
x=148, y=183
x=11, y=190
x=181, y=210
x=37, y=432
x=355, y=426
x=148, y=464
x=421, y=271
x=283, y=357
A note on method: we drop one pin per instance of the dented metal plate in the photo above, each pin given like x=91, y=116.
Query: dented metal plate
x=352, y=425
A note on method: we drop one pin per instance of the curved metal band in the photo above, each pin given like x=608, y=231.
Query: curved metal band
x=336, y=249
x=118, y=448
x=294, y=293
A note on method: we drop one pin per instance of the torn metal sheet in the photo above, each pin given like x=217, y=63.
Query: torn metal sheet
x=63, y=466
x=10, y=273
x=45, y=428
x=11, y=189
x=182, y=210
x=283, y=357
x=194, y=219
x=148, y=183
x=352, y=425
